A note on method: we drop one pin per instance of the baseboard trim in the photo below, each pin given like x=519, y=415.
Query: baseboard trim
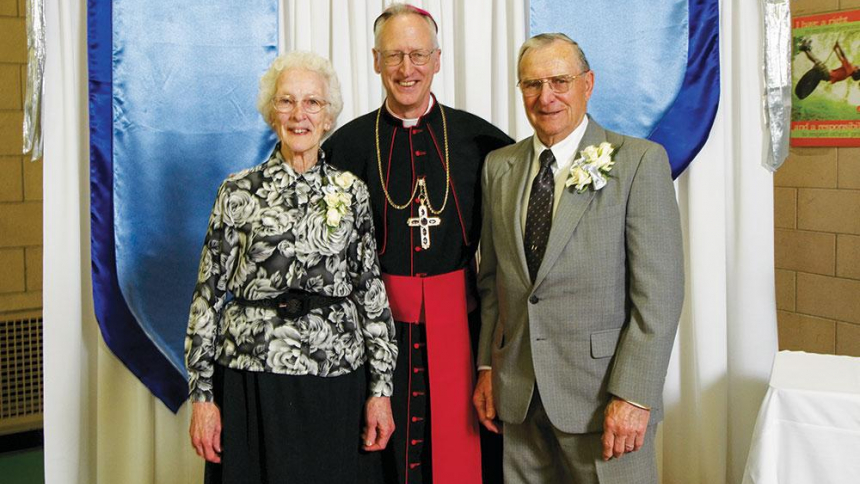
x=21, y=441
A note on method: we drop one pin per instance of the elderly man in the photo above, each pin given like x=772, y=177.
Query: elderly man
x=422, y=162
x=581, y=283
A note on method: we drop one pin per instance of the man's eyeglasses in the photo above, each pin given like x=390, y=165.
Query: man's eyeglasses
x=393, y=58
x=310, y=105
x=558, y=84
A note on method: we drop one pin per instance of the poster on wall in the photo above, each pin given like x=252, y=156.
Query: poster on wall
x=825, y=68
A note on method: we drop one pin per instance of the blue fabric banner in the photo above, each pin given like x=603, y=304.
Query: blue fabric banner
x=173, y=111
x=656, y=64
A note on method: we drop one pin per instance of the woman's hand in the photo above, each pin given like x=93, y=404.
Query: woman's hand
x=206, y=430
x=378, y=423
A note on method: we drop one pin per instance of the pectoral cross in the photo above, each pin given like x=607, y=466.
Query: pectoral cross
x=424, y=221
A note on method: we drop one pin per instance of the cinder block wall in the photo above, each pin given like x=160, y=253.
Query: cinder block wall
x=20, y=179
x=817, y=238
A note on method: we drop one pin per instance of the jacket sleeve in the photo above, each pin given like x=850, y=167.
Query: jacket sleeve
x=371, y=300
x=655, y=275
x=487, y=288
x=208, y=301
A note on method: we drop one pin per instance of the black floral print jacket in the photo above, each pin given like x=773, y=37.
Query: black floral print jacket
x=271, y=230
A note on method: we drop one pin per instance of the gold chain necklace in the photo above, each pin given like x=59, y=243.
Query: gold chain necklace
x=420, y=183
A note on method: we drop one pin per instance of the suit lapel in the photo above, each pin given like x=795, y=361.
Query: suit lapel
x=513, y=186
x=571, y=207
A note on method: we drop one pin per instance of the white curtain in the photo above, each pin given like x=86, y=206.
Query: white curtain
x=727, y=337
x=101, y=424
x=484, y=51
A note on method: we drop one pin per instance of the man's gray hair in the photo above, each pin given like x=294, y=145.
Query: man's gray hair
x=542, y=40
x=398, y=9
x=300, y=60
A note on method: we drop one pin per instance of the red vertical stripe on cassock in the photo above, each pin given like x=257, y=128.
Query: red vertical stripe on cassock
x=454, y=425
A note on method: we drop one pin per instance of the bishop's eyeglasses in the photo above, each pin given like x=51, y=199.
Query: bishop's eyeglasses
x=393, y=58
x=558, y=84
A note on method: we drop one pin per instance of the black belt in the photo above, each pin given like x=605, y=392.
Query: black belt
x=293, y=303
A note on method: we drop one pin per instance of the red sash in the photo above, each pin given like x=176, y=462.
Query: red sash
x=454, y=425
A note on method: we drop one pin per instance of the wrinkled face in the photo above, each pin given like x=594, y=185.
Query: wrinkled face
x=407, y=85
x=300, y=131
x=555, y=115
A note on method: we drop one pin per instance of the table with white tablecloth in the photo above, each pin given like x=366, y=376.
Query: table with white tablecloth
x=808, y=428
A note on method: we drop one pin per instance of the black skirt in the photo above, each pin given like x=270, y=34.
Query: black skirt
x=288, y=429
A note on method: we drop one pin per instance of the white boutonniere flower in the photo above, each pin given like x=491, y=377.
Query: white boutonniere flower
x=591, y=168
x=336, y=202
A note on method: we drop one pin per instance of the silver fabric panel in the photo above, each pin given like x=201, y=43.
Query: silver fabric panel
x=35, y=76
x=777, y=75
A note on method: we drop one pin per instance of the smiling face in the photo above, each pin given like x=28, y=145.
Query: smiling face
x=407, y=85
x=300, y=132
x=555, y=115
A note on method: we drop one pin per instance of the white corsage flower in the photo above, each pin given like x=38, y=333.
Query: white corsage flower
x=344, y=180
x=592, y=167
x=336, y=202
x=332, y=199
x=332, y=217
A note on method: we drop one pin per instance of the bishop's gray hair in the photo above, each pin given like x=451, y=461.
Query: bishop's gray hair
x=398, y=9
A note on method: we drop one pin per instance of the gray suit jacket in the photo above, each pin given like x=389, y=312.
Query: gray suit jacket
x=601, y=317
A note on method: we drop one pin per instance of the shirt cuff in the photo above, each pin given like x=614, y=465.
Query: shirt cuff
x=484, y=367
x=637, y=405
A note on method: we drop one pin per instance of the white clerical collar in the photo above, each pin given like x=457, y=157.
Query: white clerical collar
x=565, y=150
x=410, y=122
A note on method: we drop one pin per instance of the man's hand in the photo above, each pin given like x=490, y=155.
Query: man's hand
x=482, y=398
x=378, y=423
x=624, y=428
x=205, y=430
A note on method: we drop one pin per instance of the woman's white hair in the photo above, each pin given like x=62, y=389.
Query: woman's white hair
x=301, y=60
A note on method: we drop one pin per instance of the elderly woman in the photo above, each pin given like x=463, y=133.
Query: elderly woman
x=278, y=374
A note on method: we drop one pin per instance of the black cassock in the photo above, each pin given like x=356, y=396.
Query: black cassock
x=405, y=155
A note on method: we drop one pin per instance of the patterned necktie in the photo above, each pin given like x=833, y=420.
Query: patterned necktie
x=539, y=215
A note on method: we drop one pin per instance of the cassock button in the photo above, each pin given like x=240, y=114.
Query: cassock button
x=533, y=299
x=417, y=249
